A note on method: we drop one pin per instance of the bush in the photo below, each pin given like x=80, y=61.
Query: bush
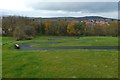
x=24, y=33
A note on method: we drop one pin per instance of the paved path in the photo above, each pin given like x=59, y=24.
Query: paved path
x=29, y=47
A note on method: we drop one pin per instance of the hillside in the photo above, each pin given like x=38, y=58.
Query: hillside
x=98, y=18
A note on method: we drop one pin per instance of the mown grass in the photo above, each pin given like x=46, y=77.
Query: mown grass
x=69, y=41
x=60, y=63
x=83, y=41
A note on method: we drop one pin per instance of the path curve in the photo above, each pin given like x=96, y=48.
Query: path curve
x=29, y=47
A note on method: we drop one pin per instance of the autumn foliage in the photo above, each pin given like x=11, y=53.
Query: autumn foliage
x=24, y=27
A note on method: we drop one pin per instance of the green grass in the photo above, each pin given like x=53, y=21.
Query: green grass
x=83, y=41
x=69, y=41
x=0, y=57
x=61, y=63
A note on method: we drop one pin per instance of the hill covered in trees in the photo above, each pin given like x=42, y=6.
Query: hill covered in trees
x=80, y=18
x=28, y=27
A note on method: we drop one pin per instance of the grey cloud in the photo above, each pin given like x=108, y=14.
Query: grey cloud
x=42, y=13
x=92, y=7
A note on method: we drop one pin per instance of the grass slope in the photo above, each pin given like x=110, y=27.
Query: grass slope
x=0, y=57
x=83, y=41
x=60, y=63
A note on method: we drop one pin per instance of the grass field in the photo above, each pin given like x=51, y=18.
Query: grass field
x=61, y=63
x=0, y=57
x=84, y=41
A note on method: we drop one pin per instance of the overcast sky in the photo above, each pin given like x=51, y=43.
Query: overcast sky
x=61, y=8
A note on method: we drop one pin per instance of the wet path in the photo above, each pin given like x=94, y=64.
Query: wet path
x=29, y=47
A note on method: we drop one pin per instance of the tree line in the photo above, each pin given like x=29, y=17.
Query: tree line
x=27, y=28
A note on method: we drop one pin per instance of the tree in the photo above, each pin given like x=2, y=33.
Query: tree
x=70, y=28
x=62, y=27
x=0, y=31
x=47, y=24
x=79, y=28
x=24, y=33
x=113, y=28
